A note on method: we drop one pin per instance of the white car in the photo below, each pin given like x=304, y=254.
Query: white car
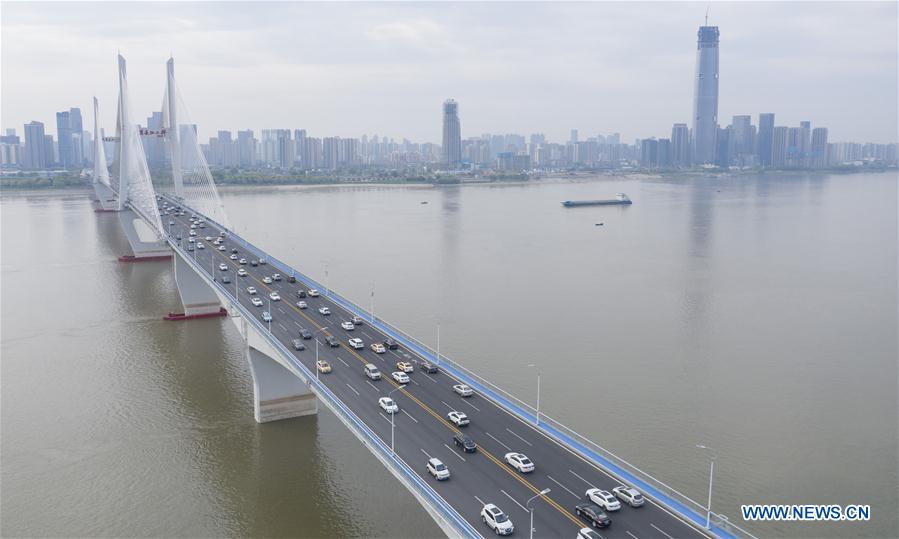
x=496, y=520
x=357, y=320
x=628, y=495
x=242, y=272
x=604, y=499
x=276, y=276
x=208, y=238
x=325, y=311
x=233, y=257
x=191, y=240
x=458, y=418
x=302, y=304
x=221, y=247
x=200, y=246
x=193, y=233
x=387, y=404
x=275, y=296
x=223, y=267
x=463, y=390
x=349, y=326
x=587, y=533
x=256, y=301
x=356, y=343
x=400, y=377
x=242, y=261
x=520, y=462
x=313, y=293
x=251, y=290
x=267, y=280
x=266, y=316
x=438, y=469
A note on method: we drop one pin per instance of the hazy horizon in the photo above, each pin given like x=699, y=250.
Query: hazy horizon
x=349, y=69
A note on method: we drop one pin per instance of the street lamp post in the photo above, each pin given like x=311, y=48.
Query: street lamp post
x=438, y=344
x=269, y=314
x=538, y=391
x=372, y=311
x=397, y=388
x=531, y=509
x=713, y=454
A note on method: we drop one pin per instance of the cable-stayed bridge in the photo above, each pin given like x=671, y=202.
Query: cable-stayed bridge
x=291, y=324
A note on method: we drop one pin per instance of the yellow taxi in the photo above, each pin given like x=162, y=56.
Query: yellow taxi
x=323, y=366
x=404, y=366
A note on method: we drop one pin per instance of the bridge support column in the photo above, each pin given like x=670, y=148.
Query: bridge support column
x=277, y=393
x=143, y=240
x=106, y=198
x=198, y=298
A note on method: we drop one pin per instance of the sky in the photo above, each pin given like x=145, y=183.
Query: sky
x=348, y=69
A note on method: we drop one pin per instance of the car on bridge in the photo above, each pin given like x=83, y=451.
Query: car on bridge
x=496, y=520
x=242, y=272
x=302, y=305
x=378, y=348
x=356, y=343
x=226, y=279
x=388, y=405
x=262, y=261
x=267, y=280
x=604, y=499
x=587, y=533
x=465, y=442
x=313, y=293
x=233, y=257
x=463, y=390
x=254, y=263
x=208, y=238
x=190, y=247
x=191, y=240
x=234, y=251
x=323, y=366
x=628, y=495
x=221, y=247
x=332, y=341
x=275, y=296
x=438, y=469
x=242, y=261
x=372, y=372
x=305, y=334
x=256, y=301
x=251, y=290
x=266, y=316
x=520, y=462
x=349, y=326
x=400, y=377
x=298, y=344
x=223, y=267
x=428, y=367
x=276, y=276
x=200, y=246
x=458, y=418
x=404, y=366
x=301, y=293
x=324, y=311
x=593, y=513
x=357, y=320
x=390, y=344
x=291, y=279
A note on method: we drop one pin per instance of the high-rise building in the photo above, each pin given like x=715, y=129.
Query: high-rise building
x=794, y=147
x=766, y=132
x=705, y=96
x=573, y=138
x=780, y=139
x=742, y=131
x=452, y=134
x=723, y=152
x=805, y=144
x=680, y=145
x=154, y=146
x=246, y=148
x=35, y=147
x=649, y=153
x=663, y=157
x=819, y=148
x=68, y=133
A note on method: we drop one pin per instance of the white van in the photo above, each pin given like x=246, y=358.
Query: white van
x=372, y=372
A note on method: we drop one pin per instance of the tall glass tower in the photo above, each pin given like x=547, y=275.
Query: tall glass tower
x=452, y=134
x=705, y=96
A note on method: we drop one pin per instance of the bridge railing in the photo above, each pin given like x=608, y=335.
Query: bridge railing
x=626, y=472
x=362, y=430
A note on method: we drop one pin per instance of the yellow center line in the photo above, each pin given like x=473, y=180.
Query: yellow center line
x=427, y=408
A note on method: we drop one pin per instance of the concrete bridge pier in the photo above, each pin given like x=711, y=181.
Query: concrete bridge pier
x=198, y=298
x=143, y=240
x=106, y=198
x=277, y=392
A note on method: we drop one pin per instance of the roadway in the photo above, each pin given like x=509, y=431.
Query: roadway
x=421, y=428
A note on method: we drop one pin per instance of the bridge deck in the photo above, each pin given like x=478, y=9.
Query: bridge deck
x=421, y=427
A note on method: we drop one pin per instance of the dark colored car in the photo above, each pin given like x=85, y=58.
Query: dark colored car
x=226, y=279
x=305, y=333
x=291, y=279
x=391, y=344
x=428, y=367
x=298, y=344
x=332, y=341
x=597, y=517
x=234, y=251
x=466, y=443
x=301, y=293
x=254, y=263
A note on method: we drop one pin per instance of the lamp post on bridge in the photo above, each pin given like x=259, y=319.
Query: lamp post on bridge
x=538, y=391
x=713, y=454
x=531, y=509
x=316, y=350
x=372, y=311
x=397, y=388
x=269, y=314
x=438, y=343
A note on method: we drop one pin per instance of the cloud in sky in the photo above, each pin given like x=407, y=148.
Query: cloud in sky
x=353, y=68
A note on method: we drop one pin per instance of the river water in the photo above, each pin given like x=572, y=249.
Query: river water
x=753, y=314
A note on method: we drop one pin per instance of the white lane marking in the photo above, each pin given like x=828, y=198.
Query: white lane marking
x=397, y=355
x=470, y=404
x=354, y=390
x=497, y=441
x=660, y=531
x=478, y=499
x=523, y=508
x=367, y=335
x=581, y=478
x=298, y=324
x=431, y=378
x=448, y=406
x=413, y=381
x=563, y=486
x=457, y=454
x=425, y=452
x=632, y=535
x=410, y=417
x=342, y=361
x=282, y=326
x=384, y=416
x=520, y=438
x=372, y=386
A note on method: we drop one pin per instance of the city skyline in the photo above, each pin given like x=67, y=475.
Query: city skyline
x=650, y=112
